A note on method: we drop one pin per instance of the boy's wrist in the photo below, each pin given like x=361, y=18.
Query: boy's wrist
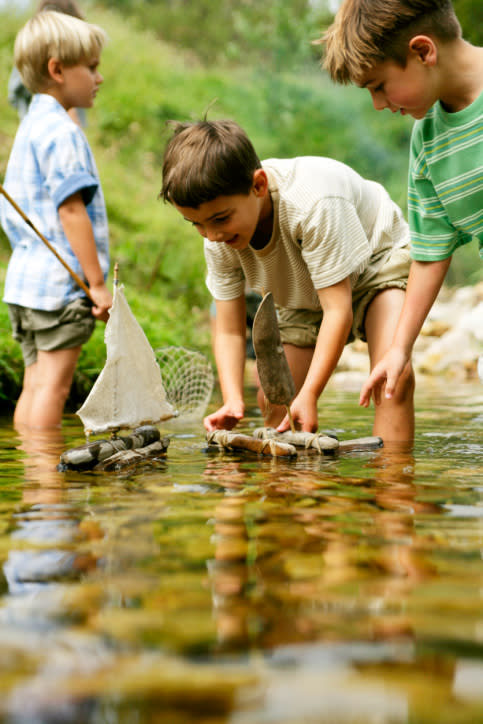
x=310, y=393
x=96, y=284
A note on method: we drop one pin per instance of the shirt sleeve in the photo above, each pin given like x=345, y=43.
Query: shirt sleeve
x=67, y=165
x=433, y=237
x=225, y=278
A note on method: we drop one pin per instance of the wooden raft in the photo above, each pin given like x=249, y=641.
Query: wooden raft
x=267, y=441
x=142, y=444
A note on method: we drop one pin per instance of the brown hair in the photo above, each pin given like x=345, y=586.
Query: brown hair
x=69, y=7
x=207, y=159
x=368, y=32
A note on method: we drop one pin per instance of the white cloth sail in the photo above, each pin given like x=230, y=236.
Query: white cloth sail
x=129, y=391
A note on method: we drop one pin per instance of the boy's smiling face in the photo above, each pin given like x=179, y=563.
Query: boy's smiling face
x=234, y=219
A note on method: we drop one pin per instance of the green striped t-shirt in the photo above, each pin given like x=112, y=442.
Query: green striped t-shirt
x=445, y=190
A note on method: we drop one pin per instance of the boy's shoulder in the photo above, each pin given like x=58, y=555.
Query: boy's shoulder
x=43, y=104
x=311, y=178
x=439, y=126
x=46, y=122
x=301, y=169
x=47, y=138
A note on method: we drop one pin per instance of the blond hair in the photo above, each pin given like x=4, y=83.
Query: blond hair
x=207, y=159
x=50, y=34
x=368, y=32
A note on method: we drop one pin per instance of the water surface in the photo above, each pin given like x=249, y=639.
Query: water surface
x=228, y=588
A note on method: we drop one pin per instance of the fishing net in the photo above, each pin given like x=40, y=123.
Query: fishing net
x=187, y=379
x=140, y=387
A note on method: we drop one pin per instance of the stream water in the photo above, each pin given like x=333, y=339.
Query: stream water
x=228, y=588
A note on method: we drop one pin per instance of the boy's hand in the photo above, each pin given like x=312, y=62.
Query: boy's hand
x=225, y=418
x=102, y=302
x=386, y=372
x=304, y=414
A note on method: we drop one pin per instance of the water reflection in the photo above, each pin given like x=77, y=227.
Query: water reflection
x=284, y=555
x=45, y=529
x=215, y=587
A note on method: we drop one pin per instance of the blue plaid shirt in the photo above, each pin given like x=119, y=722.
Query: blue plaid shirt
x=50, y=160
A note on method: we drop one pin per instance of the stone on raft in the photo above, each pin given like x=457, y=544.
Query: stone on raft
x=131, y=458
x=319, y=441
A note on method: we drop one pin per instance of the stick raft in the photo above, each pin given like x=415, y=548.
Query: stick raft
x=142, y=443
x=267, y=441
x=227, y=440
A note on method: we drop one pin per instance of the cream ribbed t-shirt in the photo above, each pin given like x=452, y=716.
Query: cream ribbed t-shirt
x=328, y=223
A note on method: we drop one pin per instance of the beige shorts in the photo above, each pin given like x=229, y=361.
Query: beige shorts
x=300, y=327
x=64, y=328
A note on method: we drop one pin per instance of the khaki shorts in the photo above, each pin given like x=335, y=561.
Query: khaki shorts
x=300, y=327
x=64, y=328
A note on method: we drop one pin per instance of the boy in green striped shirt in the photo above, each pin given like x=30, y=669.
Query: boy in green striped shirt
x=411, y=56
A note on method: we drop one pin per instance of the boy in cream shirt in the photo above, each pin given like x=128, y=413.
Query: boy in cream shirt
x=331, y=247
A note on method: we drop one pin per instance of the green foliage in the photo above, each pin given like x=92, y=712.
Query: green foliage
x=274, y=33
x=470, y=15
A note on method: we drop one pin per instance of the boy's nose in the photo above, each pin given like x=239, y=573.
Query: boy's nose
x=379, y=101
x=214, y=235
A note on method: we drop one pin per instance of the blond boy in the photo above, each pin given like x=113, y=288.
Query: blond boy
x=52, y=176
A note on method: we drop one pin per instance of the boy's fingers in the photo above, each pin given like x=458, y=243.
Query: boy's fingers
x=376, y=391
x=284, y=425
x=372, y=387
x=365, y=395
x=390, y=387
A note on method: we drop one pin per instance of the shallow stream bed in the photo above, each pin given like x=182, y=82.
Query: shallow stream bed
x=229, y=588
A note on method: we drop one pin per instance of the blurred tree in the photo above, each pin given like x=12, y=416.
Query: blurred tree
x=275, y=33
x=470, y=14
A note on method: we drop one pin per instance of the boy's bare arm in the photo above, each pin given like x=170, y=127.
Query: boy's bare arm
x=424, y=282
x=78, y=230
x=230, y=349
x=336, y=303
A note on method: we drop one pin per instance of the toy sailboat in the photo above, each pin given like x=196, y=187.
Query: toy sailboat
x=129, y=391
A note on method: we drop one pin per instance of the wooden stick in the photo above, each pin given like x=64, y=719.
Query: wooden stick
x=290, y=418
x=47, y=243
x=237, y=441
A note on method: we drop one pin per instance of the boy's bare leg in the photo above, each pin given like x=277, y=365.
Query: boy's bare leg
x=24, y=403
x=394, y=418
x=299, y=359
x=49, y=382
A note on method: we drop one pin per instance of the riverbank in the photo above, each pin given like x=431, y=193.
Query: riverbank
x=448, y=347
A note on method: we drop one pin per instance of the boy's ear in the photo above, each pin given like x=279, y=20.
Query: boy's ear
x=56, y=70
x=260, y=182
x=424, y=48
